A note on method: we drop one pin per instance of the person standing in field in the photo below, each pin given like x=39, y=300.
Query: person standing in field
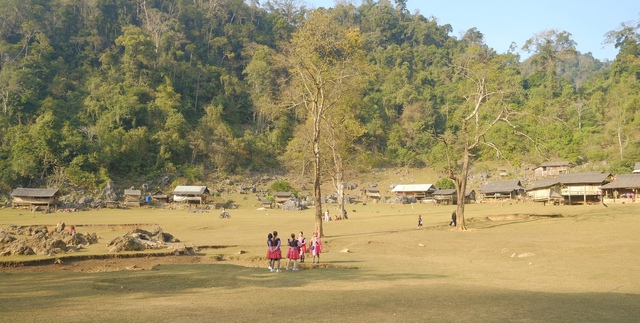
x=453, y=219
x=269, y=244
x=294, y=252
x=419, y=221
x=276, y=253
x=303, y=245
x=316, y=248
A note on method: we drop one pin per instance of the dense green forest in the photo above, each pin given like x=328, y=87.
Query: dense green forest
x=93, y=90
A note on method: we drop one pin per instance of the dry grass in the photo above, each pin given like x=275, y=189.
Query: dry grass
x=525, y=263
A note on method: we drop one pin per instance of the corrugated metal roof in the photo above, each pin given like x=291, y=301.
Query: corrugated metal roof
x=556, y=164
x=624, y=181
x=449, y=191
x=413, y=188
x=501, y=187
x=132, y=192
x=35, y=192
x=583, y=178
x=190, y=190
x=543, y=183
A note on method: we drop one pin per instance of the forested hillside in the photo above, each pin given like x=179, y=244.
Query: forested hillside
x=92, y=90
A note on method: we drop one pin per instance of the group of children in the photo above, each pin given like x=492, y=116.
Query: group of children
x=297, y=250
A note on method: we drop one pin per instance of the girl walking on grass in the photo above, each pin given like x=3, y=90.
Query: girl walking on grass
x=269, y=243
x=294, y=251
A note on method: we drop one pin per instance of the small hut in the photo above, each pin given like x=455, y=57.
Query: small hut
x=502, y=190
x=132, y=197
x=34, y=197
x=372, y=194
x=552, y=169
x=583, y=187
x=160, y=196
x=191, y=194
x=625, y=187
x=545, y=191
x=450, y=196
x=265, y=203
x=282, y=197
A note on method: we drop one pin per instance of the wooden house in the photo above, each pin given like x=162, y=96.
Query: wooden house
x=282, y=197
x=191, y=194
x=624, y=186
x=265, y=203
x=502, y=190
x=372, y=194
x=552, y=169
x=418, y=191
x=132, y=197
x=34, y=197
x=583, y=187
x=545, y=191
x=445, y=196
x=160, y=196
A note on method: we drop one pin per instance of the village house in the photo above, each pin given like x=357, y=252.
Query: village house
x=282, y=197
x=160, y=196
x=545, y=191
x=583, y=187
x=450, y=196
x=624, y=187
x=552, y=169
x=191, y=194
x=372, y=194
x=132, y=197
x=418, y=191
x=35, y=197
x=512, y=189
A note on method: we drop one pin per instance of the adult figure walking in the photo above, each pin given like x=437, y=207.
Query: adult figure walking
x=276, y=253
x=453, y=218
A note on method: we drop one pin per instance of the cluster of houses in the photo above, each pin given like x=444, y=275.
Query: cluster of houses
x=554, y=184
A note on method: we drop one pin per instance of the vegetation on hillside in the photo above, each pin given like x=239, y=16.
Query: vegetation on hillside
x=92, y=90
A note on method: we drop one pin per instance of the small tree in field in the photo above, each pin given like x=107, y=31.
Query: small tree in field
x=487, y=84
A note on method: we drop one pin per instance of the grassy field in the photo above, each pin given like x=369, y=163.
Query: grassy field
x=518, y=262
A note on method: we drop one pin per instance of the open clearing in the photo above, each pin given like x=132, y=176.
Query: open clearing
x=518, y=262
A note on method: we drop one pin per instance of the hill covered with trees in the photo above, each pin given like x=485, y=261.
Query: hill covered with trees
x=92, y=90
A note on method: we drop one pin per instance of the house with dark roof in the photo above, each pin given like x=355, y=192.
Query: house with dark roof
x=34, y=197
x=552, y=169
x=281, y=197
x=623, y=186
x=545, y=191
x=583, y=187
x=502, y=190
x=372, y=194
x=132, y=197
x=191, y=194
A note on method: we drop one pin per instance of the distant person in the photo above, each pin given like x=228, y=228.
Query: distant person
x=344, y=213
x=326, y=216
x=419, y=221
x=276, y=253
x=294, y=252
x=316, y=248
x=303, y=245
x=72, y=230
x=453, y=219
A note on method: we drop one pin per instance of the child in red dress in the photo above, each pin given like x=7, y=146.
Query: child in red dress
x=303, y=246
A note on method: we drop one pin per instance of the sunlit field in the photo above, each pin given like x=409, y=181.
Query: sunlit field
x=517, y=262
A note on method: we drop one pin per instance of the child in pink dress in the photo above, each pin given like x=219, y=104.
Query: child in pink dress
x=294, y=251
x=303, y=246
x=316, y=248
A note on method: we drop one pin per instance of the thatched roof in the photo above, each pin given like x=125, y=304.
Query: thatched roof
x=501, y=187
x=583, y=178
x=624, y=181
x=191, y=190
x=35, y=192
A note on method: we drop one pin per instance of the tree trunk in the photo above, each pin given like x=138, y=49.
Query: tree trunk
x=317, y=192
x=461, y=187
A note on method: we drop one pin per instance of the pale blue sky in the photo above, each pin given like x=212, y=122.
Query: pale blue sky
x=505, y=21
